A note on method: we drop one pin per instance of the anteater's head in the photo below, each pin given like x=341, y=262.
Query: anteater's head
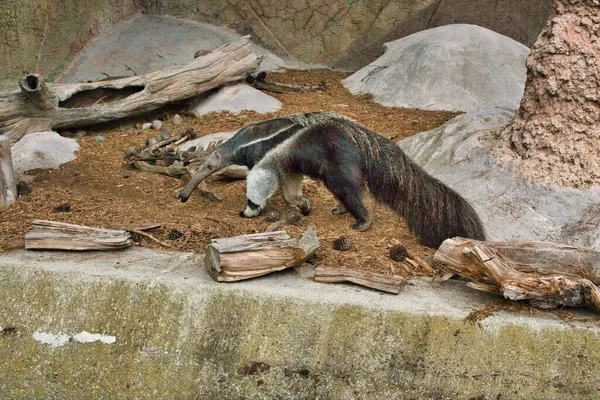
x=213, y=163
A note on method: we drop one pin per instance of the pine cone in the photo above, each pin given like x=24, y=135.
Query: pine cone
x=341, y=244
x=169, y=157
x=23, y=189
x=294, y=219
x=273, y=216
x=398, y=252
x=174, y=234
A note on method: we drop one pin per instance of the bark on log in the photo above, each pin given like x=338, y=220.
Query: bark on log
x=385, y=283
x=547, y=274
x=249, y=256
x=555, y=135
x=40, y=107
x=51, y=235
x=8, y=185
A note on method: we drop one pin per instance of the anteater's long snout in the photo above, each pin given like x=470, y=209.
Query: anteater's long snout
x=208, y=168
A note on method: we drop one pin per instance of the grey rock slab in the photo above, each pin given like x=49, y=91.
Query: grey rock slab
x=454, y=68
x=457, y=153
x=234, y=98
x=42, y=150
x=147, y=43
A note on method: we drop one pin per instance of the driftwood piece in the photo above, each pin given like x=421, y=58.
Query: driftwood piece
x=39, y=107
x=385, y=283
x=547, y=274
x=249, y=256
x=8, y=185
x=62, y=236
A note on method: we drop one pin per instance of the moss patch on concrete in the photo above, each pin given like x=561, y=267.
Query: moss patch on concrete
x=174, y=342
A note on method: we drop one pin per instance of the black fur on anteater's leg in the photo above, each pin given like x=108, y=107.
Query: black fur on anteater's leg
x=348, y=189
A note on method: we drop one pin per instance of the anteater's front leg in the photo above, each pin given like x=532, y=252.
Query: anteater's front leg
x=291, y=188
x=261, y=183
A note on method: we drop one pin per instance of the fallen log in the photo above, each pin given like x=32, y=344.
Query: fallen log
x=385, y=283
x=249, y=256
x=52, y=235
x=548, y=275
x=8, y=185
x=40, y=107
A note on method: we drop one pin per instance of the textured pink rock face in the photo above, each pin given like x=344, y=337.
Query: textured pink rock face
x=555, y=136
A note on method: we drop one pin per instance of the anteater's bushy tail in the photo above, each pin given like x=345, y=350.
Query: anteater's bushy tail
x=431, y=209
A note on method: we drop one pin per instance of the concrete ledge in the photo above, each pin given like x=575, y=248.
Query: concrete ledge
x=178, y=334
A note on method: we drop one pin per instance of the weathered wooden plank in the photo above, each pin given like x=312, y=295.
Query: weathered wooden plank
x=385, y=283
x=8, y=185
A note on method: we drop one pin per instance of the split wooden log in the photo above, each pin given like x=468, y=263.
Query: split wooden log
x=8, y=185
x=249, y=256
x=546, y=274
x=52, y=235
x=41, y=107
x=385, y=283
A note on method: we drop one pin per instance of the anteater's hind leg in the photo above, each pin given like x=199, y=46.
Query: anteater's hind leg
x=349, y=191
x=291, y=188
x=261, y=183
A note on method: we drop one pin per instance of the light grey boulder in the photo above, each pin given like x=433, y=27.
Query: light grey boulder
x=454, y=68
x=42, y=150
x=458, y=154
x=234, y=98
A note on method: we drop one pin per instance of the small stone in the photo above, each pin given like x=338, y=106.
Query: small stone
x=157, y=124
x=398, y=252
x=23, y=189
x=99, y=138
x=177, y=120
x=80, y=133
x=131, y=152
x=150, y=142
x=165, y=134
x=341, y=244
x=146, y=126
x=65, y=207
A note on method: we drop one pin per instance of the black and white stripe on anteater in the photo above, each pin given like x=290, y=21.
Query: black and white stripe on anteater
x=345, y=156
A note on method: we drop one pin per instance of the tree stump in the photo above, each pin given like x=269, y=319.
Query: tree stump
x=546, y=274
x=249, y=256
x=8, y=185
x=555, y=135
x=40, y=107
x=52, y=235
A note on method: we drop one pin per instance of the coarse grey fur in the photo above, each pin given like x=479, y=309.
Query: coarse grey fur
x=345, y=156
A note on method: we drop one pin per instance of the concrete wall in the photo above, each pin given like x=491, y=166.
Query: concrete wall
x=177, y=334
x=43, y=35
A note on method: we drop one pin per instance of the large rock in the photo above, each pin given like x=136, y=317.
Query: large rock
x=42, y=150
x=234, y=98
x=458, y=154
x=153, y=42
x=452, y=68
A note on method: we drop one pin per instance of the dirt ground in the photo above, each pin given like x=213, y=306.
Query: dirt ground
x=102, y=190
